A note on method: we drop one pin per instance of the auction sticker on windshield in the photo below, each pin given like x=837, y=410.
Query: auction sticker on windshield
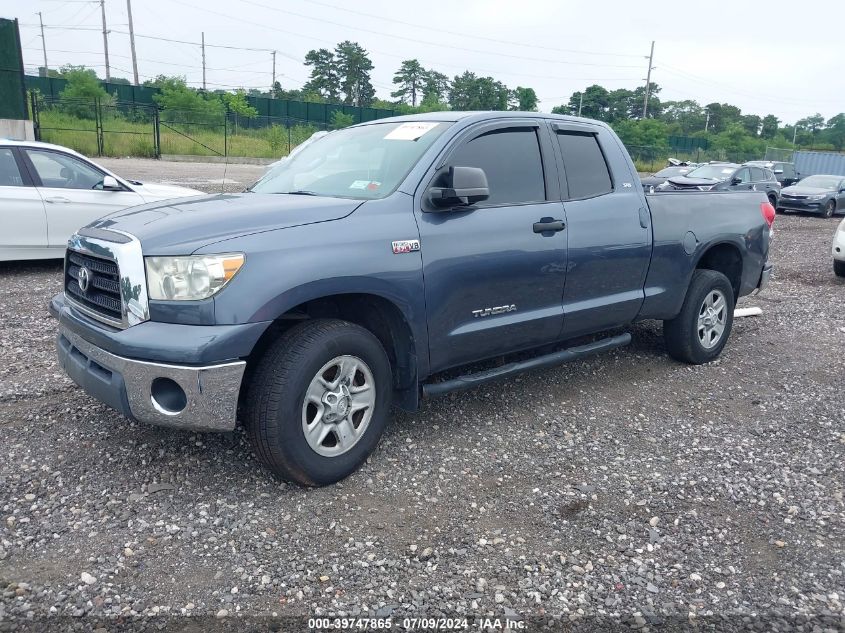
x=410, y=131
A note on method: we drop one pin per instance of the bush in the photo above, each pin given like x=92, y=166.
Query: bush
x=340, y=119
x=277, y=138
x=82, y=91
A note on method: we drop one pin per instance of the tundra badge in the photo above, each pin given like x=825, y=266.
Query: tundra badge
x=405, y=246
x=497, y=310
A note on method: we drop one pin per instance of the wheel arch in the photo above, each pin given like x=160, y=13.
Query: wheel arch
x=386, y=317
x=724, y=257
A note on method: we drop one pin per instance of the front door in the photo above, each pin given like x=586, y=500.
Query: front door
x=22, y=216
x=492, y=284
x=73, y=194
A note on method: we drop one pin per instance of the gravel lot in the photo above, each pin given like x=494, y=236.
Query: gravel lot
x=627, y=486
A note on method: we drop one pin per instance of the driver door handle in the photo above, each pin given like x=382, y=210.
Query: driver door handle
x=551, y=225
x=57, y=199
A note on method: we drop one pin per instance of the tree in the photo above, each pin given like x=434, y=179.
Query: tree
x=353, y=69
x=524, y=99
x=184, y=105
x=619, y=103
x=83, y=88
x=436, y=87
x=688, y=116
x=721, y=116
x=769, y=126
x=835, y=131
x=324, y=79
x=469, y=92
x=237, y=104
x=594, y=104
x=410, y=78
x=654, y=105
x=752, y=124
x=123, y=81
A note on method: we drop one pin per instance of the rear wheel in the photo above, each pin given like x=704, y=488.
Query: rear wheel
x=839, y=268
x=829, y=208
x=700, y=331
x=319, y=401
x=773, y=200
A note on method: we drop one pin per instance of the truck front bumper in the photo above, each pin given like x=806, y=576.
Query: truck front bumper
x=201, y=396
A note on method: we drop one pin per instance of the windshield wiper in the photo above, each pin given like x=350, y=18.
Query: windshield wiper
x=301, y=192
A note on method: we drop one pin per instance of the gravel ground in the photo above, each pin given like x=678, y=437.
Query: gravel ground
x=626, y=487
x=208, y=177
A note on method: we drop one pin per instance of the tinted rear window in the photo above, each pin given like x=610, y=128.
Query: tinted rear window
x=586, y=169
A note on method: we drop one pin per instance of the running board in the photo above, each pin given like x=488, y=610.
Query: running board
x=546, y=360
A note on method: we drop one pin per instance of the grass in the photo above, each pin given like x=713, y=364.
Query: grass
x=123, y=137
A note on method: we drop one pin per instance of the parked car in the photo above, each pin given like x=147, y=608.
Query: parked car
x=822, y=194
x=48, y=191
x=650, y=183
x=785, y=173
x=838, y=250
x=727, y=177
x=382, y=256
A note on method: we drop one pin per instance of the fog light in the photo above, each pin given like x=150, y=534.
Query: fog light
x=168, y=397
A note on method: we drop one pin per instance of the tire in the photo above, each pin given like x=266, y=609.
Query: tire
x=328, y=359
x=774, y=202
x=829, y=208
x=839, y=268
x=688, y=339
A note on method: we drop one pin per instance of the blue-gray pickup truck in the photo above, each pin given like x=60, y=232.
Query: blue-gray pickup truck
x=391, y=261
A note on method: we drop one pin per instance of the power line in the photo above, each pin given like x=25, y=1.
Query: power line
x=464, y=35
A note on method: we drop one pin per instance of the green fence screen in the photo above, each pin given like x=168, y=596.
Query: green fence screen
x=318, y=113
x=12, y=91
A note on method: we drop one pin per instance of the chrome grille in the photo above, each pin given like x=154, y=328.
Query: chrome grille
x=102, y=295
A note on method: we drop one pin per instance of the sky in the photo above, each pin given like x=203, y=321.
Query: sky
x=736, y=52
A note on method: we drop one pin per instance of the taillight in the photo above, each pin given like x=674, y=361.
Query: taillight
x=768, y=212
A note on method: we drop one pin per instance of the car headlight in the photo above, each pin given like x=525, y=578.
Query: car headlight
x=820, y=196
x=192, y=277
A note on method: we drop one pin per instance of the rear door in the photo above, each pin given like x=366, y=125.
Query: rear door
x=741, y=180
x=493, y=284
x=608, y=232
x=22, y=215
x=73, y=193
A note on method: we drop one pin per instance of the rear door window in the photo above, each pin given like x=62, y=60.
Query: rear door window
x=586, y=168
x=511, y=159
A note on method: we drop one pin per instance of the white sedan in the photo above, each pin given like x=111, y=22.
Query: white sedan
x=47, y=192
x=838, y=250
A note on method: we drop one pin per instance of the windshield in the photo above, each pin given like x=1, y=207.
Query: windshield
x=821, y=182
x=364, y=162
x=712, y=172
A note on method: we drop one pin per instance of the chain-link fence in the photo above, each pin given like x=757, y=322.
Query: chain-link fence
x=113, y=128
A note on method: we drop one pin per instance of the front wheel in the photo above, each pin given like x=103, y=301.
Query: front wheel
x=829, y=208
x=700, y=331
x=319, y=401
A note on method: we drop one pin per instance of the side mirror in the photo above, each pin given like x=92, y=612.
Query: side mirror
x=110, y=184
x=736, y=181
x=464, y=186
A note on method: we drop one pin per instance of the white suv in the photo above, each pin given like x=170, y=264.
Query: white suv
x=838, y=250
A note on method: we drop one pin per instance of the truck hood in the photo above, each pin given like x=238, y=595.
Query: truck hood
x=153, y=191
x=180, y=226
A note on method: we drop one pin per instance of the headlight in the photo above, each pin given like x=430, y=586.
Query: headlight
x=192, y=277
x=820, y=196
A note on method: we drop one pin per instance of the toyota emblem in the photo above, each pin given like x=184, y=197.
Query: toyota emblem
x=84, y=278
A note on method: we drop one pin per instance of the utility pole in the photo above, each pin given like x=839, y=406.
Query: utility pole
x=132, y=41
x=707, y=121
x=105, y=39
x=648, y=80
x=580, y=102
x=794, y=131
x=273, y=85
x=203, y=60
x=43, y=45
